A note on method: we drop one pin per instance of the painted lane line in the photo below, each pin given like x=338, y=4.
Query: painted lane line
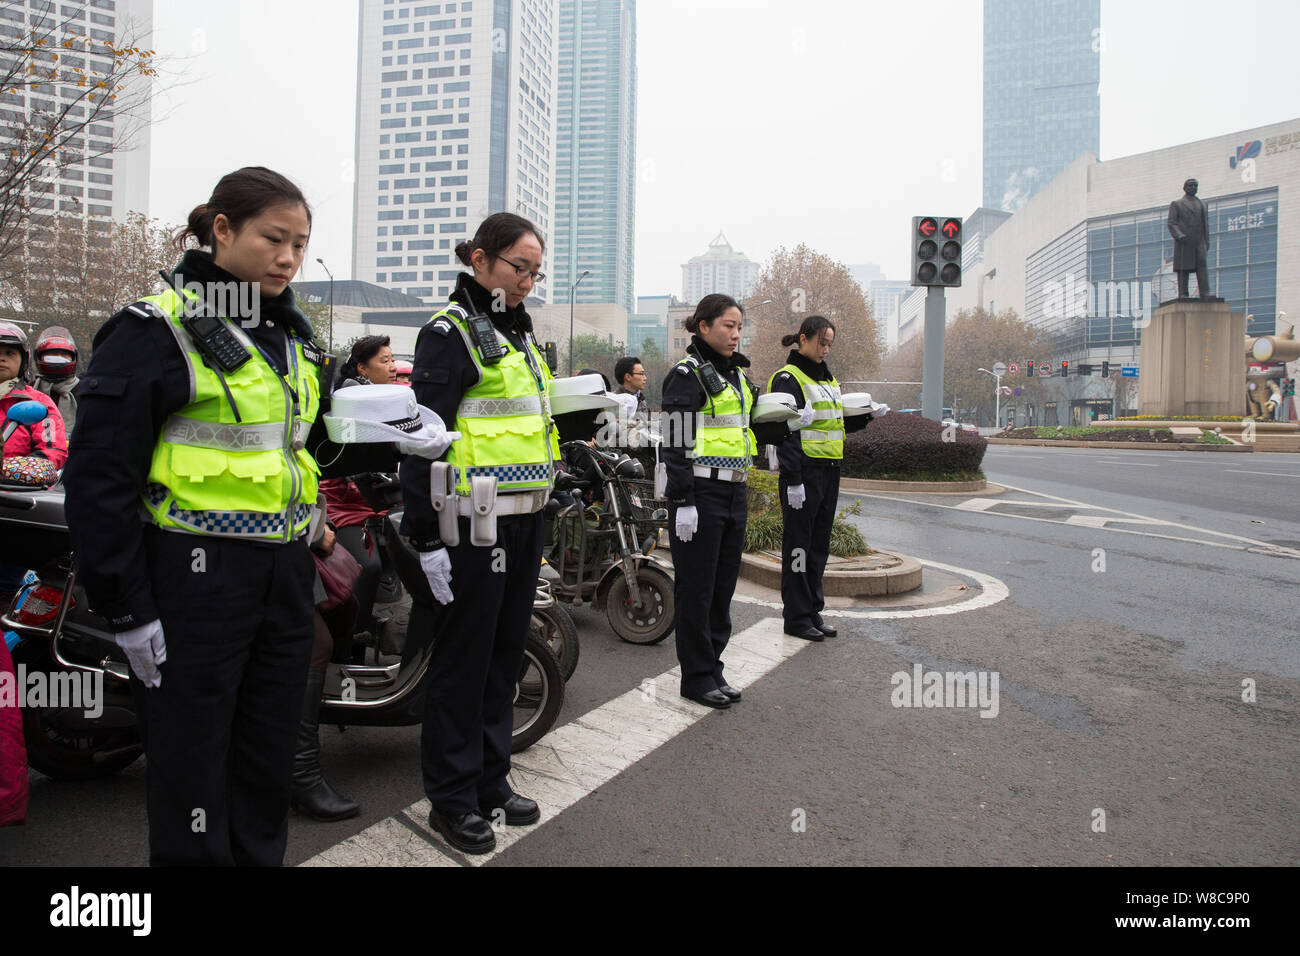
x=1133, y=464
x=573, y=760
x=1100, y=521
x=1276, y=474
x=993, y=591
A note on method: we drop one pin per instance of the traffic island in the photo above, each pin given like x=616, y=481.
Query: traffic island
x=877, y=574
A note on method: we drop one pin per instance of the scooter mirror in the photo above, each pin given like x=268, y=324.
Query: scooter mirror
x=26, y=413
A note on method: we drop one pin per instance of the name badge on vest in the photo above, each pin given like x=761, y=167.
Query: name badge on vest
x=312, y=354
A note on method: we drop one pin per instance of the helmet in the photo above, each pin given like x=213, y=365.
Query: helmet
x=14, y=337
x=56, y=353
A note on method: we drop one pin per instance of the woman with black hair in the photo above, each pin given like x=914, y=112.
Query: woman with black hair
x=810, y=475
x=707, y=450
x=477, y=364
x=369, y=362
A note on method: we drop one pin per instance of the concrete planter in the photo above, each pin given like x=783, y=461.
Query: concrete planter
x=872, y=575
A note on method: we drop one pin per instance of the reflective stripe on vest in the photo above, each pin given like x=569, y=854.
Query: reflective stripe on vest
x=828, y=412
x=504, y=418
x=722, y=435
x=235, y=474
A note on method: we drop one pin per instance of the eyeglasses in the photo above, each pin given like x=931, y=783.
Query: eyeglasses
x=522, y=271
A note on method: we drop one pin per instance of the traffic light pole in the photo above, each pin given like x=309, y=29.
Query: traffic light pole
x=932, y=364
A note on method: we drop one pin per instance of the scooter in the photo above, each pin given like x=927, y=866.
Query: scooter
x=61, y=637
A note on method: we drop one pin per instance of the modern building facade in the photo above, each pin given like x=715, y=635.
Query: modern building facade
x=885, y=296
x=721, y=269
x=1042, y=104
x=110, y=178
x=1089, y=257
x=595, y=183
x=456, y=119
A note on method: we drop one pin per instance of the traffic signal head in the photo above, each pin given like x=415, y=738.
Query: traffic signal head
x=936, y=251
x=1029, y=368
x=1065, y=369
x=1105, y=370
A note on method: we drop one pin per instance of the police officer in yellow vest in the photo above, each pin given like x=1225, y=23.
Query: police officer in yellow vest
x=809, y=486
x=190, y=498
x=707, y=451
x=476, y=517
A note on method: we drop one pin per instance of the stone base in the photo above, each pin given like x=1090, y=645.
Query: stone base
x=1191, y=360
x=869, y=575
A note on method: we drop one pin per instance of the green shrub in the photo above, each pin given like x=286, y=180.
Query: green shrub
x=764, y=526
x=903, y=447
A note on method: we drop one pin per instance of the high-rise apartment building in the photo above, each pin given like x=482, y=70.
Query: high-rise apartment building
x=720, y=269
x=110, y=175
x=456, y=112
x=1042, y=107
x=595, y=185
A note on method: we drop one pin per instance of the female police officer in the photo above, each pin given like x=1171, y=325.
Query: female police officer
x=476, y=517
x=189, y=500
x=810, y=475
x=707, y=450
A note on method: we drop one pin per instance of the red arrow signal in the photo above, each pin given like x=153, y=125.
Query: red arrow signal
x=927, y=226
x=951, y=228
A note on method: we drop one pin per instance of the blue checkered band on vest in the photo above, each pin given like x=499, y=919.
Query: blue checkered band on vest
x=227, y=523
x=715, y=461
x=508, y=473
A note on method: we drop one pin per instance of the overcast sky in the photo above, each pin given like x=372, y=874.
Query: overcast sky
x=819, y=121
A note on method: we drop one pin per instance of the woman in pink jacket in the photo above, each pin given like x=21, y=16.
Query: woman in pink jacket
x=47, y=439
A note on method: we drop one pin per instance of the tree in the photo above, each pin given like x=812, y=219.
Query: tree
x=63, y=102
x=976, y=339
x=318, y=314
x=76, y=271
x=656, y=366
x=595, y=351
x=801, y=282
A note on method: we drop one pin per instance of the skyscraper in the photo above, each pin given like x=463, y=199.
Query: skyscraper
x=595, y=183
x=721, y=269
x=455, y=121
x=1042, y=109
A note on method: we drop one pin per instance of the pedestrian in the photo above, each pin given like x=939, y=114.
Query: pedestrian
x=55, y=356
x=190, y=501
x=477, y=363
x=708, y=449
x=809, y=484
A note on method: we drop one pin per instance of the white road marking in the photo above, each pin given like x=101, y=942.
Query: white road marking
x=1277, y=474
x=1100, y=521
x=992, y=591
x=573, y=760
x=1135, y=464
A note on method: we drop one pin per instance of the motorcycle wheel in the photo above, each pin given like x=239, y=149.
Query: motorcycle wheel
x=649, y=624
x=555, y=626
x=539, y=694
x=85, y=755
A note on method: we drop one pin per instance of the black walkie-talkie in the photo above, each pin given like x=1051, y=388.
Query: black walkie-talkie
x=710, y=378
x=490, y=350
x=216, y=341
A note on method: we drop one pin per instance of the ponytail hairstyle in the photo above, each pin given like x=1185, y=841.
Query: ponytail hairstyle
x=239, y=196
x=812, y=328
x=710, y=308
x=363, y=350
x=496, y=233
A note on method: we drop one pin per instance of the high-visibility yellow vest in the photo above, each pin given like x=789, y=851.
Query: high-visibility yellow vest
x=233, y=462
x=505, y=418
x=824, y=438
x=722, y=435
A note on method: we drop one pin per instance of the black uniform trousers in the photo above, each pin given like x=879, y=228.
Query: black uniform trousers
x=219, y=732
x=705, y=570
x=806, y=544
x=477, y=653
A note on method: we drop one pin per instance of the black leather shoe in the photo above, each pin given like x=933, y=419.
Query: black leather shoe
x=467, y=832
x=712, y=698
x=826, y=629
x=808, y=633
x=729, y=692
x=520, y=811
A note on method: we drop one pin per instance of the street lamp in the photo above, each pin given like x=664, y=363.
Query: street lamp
x=573, y=291
x=997, y=396
x=331, y=275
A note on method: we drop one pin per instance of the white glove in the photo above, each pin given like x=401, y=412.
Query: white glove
x=436, y=565
x=688, y=522
x=805, y=417
x=145, y=649
x=431, y=448
x=879, y=410
x=796, y=496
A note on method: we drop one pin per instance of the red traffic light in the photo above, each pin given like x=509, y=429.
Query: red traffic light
x=951, y=228
x=927, y=226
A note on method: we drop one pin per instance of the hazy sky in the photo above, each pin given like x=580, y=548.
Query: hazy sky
x=820, y=122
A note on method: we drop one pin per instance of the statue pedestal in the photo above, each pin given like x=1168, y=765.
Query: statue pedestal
x=1192, y=363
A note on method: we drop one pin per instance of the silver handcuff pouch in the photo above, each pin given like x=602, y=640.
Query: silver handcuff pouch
x=483, y=511
x=442, y=495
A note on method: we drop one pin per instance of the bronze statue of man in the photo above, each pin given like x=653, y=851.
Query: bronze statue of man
x=1189, y=224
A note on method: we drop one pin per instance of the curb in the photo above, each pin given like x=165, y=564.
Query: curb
x=1148, y=445
x=904, y=577
x=880, y=484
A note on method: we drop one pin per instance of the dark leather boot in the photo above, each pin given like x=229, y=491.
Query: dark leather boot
x=312, y=795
